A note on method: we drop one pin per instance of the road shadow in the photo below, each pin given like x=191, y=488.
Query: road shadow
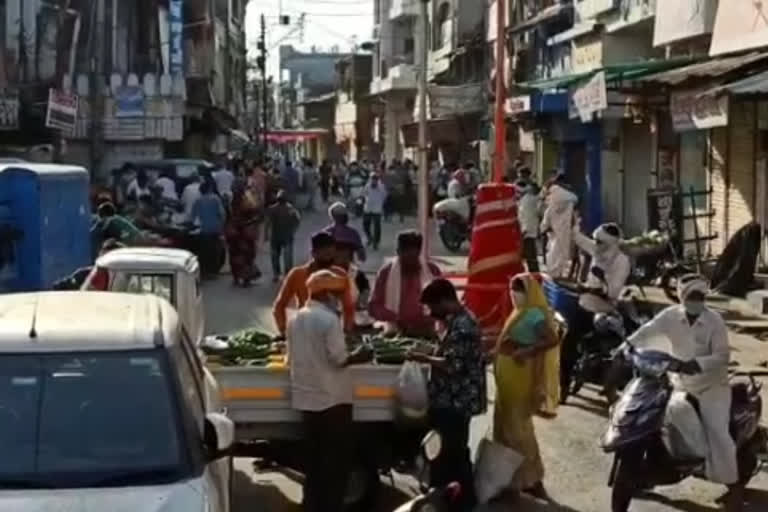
x=755, y=500
x=249, y=495
x=595, y=406
x=525, y=504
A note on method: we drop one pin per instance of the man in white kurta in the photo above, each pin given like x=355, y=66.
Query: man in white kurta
x=699, y=338
x=558, y=220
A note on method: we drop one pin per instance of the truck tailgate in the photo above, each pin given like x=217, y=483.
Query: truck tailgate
x=258, y=395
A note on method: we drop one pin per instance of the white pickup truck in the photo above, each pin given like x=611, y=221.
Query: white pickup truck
x=258, y=399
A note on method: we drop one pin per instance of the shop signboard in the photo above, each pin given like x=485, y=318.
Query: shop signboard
x=62, y=110
x=9, y=110
x=591, y=8
x=518, y=105
x=696, y=110
x=176, y=36
x=682, y=19
x=129, y=101
x=740, y=25
x=589, y=98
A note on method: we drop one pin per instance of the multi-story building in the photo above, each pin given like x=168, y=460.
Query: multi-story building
x=153, y=79
x=354, y=109
x=394, y=71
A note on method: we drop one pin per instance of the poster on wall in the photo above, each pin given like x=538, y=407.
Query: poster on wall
x=129, y=101
x=665, y=214
x=740, y=25
x=588, y=98
x=176, y=33
x=9, y=110
x=62, y=110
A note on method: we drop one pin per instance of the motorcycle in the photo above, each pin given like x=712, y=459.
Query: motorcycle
x=431, y=500
x=656, y=434
x=592, y=354
x=454, y=218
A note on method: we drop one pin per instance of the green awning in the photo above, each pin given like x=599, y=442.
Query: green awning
x=613, y=73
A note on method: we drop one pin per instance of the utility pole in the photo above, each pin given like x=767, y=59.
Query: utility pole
x=500, y=145
x=96, y=83
x=423, y=163
x=261, y=61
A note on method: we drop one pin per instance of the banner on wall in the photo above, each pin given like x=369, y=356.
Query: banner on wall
x=129, y=101
x=695, y=110
x=62, y=110
x=176, y=36
x=588, y=98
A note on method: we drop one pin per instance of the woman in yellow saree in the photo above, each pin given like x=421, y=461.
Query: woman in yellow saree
x=527, y=379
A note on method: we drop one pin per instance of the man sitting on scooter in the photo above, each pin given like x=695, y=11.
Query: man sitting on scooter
x=699, y=337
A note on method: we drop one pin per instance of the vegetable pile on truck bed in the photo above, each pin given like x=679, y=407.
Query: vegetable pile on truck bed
x=249, y=347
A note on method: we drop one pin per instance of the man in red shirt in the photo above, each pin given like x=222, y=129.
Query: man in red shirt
x=399, y=283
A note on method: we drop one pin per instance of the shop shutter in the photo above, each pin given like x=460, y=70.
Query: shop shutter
x=719, y=143
x=741, y=168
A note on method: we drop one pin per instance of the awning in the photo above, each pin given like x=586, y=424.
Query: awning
x=708, y=69
x=551, y=12
x=629, y=71
x=755, y=84
x=572, y=33
x=444, y=131
x=323, y=98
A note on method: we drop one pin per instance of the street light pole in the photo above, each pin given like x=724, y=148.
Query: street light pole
x=423, y=164
x=500, y=127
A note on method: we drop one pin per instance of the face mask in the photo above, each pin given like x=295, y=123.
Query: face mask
x=693, y=307
x=518, y=298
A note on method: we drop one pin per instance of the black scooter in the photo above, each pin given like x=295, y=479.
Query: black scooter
x=645, y=451
x=431, y=500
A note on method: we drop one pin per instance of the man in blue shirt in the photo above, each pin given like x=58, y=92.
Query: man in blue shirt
x=289, y=181
x=209, y=213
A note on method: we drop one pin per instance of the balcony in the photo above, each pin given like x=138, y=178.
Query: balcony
x=400, y=78
x=400, y=9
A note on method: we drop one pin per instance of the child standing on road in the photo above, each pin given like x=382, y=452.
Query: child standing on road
x=282, y=222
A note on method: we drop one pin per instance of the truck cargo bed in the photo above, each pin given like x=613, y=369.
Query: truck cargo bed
x=258, y=399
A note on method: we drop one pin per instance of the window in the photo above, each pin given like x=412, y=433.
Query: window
x=444, y=26
x=89, y=419
x=156, y=284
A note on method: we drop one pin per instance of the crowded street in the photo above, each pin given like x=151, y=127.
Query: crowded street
x=576, y=468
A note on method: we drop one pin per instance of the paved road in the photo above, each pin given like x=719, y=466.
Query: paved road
x=576, y=468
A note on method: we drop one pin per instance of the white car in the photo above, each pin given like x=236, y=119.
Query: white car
x=102, y=407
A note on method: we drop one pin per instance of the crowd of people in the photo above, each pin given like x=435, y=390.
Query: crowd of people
x=410, y=296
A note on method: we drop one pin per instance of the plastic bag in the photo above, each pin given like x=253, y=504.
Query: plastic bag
x=495, y=467
x=683, y=432
x=412, y=395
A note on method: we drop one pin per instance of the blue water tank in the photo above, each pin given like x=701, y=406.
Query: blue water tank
x=44, y=224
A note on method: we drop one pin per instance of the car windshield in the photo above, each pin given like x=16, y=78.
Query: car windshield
x=152, y=284
x=88, y=419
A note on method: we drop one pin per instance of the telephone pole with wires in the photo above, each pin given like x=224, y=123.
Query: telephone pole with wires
x=423, y=161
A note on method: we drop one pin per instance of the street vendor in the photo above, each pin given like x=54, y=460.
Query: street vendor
x=295, y=283
x=396, y=294
x=322, y=389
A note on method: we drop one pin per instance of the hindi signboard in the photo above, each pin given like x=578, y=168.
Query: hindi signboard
x=62, y=110
x=695, y=110
x=176, y=36
x=589, y=98
x=129, y=101
x=665, y=213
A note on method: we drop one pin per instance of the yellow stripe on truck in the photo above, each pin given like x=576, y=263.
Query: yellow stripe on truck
x=253, y=394
x=374, y=392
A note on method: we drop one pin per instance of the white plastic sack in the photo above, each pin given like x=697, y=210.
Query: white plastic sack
x=683, y=432
x=412, y=395
x=495, y=467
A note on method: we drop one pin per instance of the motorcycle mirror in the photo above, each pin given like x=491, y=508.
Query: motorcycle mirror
x=432, y=445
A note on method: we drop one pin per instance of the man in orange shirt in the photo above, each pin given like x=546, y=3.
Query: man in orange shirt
x=295, y=283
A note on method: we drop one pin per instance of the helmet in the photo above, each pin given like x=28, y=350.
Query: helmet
x=609, y=323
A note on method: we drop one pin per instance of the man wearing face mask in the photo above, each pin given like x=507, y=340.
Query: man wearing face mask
x=396, y=293
x=322, y=389
x=294, y=288
x=608, y=271
x=699, y=337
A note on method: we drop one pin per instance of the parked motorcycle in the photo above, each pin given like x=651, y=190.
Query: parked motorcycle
x=652, y=430
x=431, y=500
x=454, y=219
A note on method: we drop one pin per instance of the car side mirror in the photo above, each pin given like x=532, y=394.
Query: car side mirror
x=219, y=435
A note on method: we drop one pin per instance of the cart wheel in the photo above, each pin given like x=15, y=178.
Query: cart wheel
x=363, y=488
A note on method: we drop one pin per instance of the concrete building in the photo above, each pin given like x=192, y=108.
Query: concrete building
x=355, y=109
x=394, y=72
x=169, y=76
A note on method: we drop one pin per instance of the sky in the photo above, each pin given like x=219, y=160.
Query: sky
x=328, y=23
